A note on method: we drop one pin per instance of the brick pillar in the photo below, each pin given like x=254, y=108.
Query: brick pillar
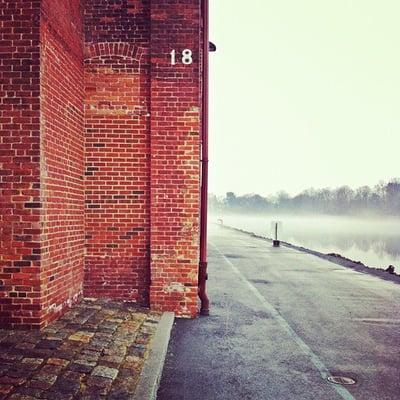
x=19, y=163
x=175, y=151
x=41, y=160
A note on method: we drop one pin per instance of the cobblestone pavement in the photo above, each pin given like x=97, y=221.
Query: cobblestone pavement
x=95, y=351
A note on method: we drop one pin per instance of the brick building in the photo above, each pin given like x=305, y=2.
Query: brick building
x=101, y=116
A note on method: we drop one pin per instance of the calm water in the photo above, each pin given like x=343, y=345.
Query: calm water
x=375, y=242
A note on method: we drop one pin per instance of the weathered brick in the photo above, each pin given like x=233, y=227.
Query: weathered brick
x=175, y=149
x=62, y=153
x=19, y=148
x=99, y=155
x=117, y=189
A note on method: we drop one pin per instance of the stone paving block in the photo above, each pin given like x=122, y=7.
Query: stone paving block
x=33, y=337
x=39, y=384
x=8, y=379
x=131, y=360
x=69, y=383
x=5, y=356
x=30, y=365
x=61, y=334
x=90, y=327
x=50, y=329
x=25, y=346
x=105, y=372
x=31, y=391
x=35, y=361
x=67, y=354
x=69, y=316
x=51, y=369
x=82, y=366
x=93, y=393
x=82, y=336
x=106, y=329
x=129, y=383
x=99, y=382
x=19, y=371
x=14, y=338
x=90, y=355
x=58, y=362
x=138, y=350
x=46, y=377
x=36, y=353
x=95, y=351
x=118, y=321
x=111, y=361
x=49, y=344
x=128, y=373
x=115, y=350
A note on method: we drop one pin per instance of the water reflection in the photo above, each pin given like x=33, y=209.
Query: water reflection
x=371, y=241
x=382, y=247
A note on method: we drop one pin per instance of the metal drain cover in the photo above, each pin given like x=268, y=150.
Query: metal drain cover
x=341, y=380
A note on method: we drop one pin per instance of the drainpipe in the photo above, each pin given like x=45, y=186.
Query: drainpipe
x=204, y=309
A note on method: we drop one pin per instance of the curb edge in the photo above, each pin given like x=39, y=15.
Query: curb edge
x=149, y=380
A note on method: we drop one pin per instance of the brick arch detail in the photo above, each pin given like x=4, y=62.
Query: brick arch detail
x=119, y=49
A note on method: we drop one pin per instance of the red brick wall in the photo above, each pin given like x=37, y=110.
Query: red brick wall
x=41, y=157
x=19, y=163
x=117, y=149
x=132, y=197
x=62, y=155
x=175, y=151
x=100, y=148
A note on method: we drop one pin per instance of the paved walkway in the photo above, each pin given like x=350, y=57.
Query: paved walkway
x=282, y=322
x=95, y=351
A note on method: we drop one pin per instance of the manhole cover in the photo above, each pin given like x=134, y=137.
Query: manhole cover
x=341, y=380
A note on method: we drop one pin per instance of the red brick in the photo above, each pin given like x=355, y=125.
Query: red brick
x=99, y=155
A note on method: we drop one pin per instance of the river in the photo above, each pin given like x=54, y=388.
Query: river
x=373, y=241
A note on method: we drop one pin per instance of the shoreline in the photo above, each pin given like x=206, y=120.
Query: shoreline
x=332, y=257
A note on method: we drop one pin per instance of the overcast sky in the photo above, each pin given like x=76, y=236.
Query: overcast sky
x=303, y=93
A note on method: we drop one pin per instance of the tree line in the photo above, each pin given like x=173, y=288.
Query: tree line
x=383, y=198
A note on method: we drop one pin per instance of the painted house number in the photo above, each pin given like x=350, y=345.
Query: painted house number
x=186, y=57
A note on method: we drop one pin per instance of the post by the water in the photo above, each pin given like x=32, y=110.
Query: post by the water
x=275, y=241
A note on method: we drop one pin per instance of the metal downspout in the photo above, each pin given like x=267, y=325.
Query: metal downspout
x=204, y=309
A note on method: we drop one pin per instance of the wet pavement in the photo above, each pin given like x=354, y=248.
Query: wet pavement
x=282, y=322
x=95, y=351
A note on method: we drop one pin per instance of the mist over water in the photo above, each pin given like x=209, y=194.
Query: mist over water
x=373, y=241
x=317, y=145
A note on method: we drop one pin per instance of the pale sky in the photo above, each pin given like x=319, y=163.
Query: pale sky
x=303, y=93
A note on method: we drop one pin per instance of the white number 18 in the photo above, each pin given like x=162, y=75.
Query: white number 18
x=187, y=57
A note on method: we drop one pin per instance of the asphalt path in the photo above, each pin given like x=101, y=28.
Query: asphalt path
x=282, y=322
